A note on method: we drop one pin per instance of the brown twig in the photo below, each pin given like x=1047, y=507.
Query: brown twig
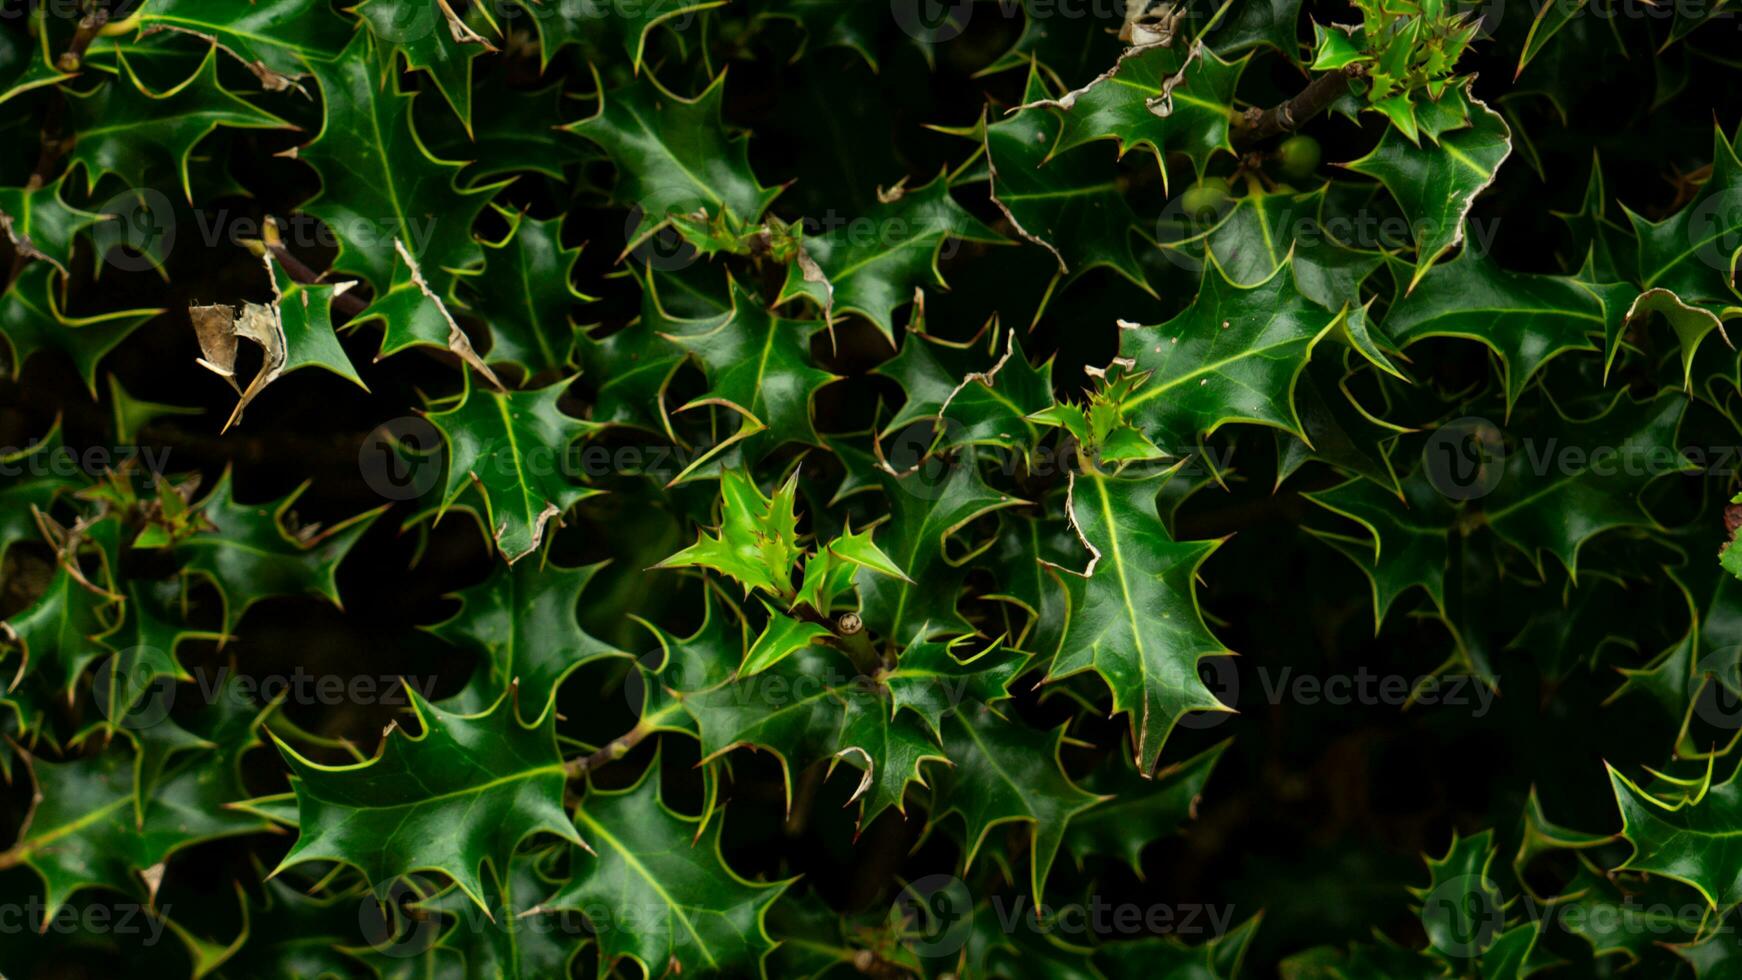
x=55, y=144
x=1256, y=125
x=92, y=24
x=847, y=634
x=610, y=752
x=348, y=303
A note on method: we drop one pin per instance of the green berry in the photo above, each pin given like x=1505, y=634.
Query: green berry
x=1299, y=157
x=1206, y=197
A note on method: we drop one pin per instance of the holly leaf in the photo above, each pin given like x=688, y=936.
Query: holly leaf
x=41, y=224
x=1569, y=479
x=445, y=50
x=761, y=363
x=1687, y=840
x=1694, y=252
x=1133, y=614
x=1408, y=534
x=1526, y=320
x=379, y=185
x=828, y=24
x=28, y=484
x=31, y=320
x=930, y=680
x=1262, y=233
x=60, y=633
x=523, y=619
x=927, y=506
x=813, y=705
x=1461, y=905
x=1437, y=183
x=1688, y=261
x=1233, y=355
x=1070, y=204
x=515, y=940
x=84, y=832
x=513, y=447
x=1217, y=958
x=467, y=790
x=271, y=40
x=664, y=873
x=674, y=156
x=525, y=293
x=250, y=553
x=578, y=22
x=1005, y=772
x=633, y=366
x=1162, y=96
x=411, y=314
x=845, y=270
x=1137, y=810
x=757, y=540
x=781, y=638
x=131, y=130
x=997, y=407
x=294, y=331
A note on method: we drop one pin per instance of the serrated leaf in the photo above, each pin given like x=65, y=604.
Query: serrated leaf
x=1070, y=204
x=1133, y=615
x=41, y=224
x=1234, y=355
x=1006, y=772
x=1526, y=320
x=1164, y=97
x=757, y=540
x=872, y=274
x=523, y=617
x=1436, y=184
x=674, y=155
x=133, y=131
x=32, y=320
x=659, y=892
x=525, y=293
x=378, y=183
x=249, y=554
x=465, y=791
x=513, y=447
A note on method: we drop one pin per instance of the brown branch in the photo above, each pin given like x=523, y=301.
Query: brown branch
x=54, y=143
x=348, y=303
x=613, y=750
x=847, y=634
x=92, y=24
x=1256, y=125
